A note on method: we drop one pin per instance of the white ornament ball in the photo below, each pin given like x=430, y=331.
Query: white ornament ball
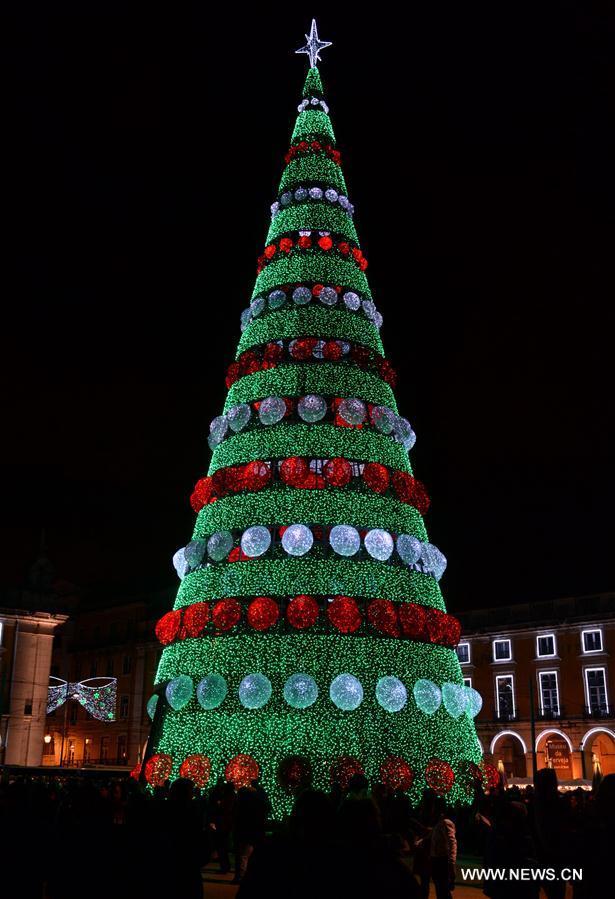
x=428, y=696
x=297, y=540
x=433, y=561
x=211, y=691
x=219, y=545
x=152, y=702
x=455, y=699
x=474, y=701
x=383, y=419
x=312, y=408
x=255, y=541
x=179, y=691
x=409, y=548
x=328, y=296
x=346, y=692
x=300, y=691
x=352, y=410
x=352, y=300
x=254, y=691
x=379, y=544
x=302, y=295
x=238, y=417
x=345, y=540
x=272, y=410
x=391, y=694
x=276, y=299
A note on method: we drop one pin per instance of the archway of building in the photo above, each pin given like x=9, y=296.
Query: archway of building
x=600, y=742
x=554, y=750
x=510, y=749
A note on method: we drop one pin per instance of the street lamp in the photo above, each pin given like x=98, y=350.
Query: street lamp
x=47, y=739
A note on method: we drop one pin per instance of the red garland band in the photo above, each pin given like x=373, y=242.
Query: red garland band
x=439, y=776
x=308, y=148
x=301, y=349
x=305, y=243
x=392, y=619
x=303, y=474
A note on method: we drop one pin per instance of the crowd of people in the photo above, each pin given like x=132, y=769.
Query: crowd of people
x=62, y=839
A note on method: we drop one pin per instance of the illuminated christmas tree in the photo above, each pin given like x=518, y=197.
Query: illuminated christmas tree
x=309, y=638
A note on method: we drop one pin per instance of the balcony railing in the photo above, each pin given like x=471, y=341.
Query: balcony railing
x=598, y=711
x=83, y=763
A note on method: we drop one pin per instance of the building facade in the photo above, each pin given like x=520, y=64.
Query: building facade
x=26, y=643
x=558, y=655
x=111, y=642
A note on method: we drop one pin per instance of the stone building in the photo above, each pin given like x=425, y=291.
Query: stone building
x=560, y=652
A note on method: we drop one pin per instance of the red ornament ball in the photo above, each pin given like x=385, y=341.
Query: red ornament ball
x=382, y=615
x=325, y=243
x=270, y=251
x=232, y=374
x=402, y=485
x=196, y=768
x=437, y=625
x=302, y=612
x=273, y=352
x=344, y=248
x=419, y=497
x=294, y=471
x=226, y=614
x=332, y=351
x=337, y=472
x=242, y=770
x=286, y=245
x=295, y=773
x=305, y=242
x=344, y=614
x=413, y=620
x=196, y=617
x=360, y=354
x=343, y=769
x=396, y=773
x=376, y=477
x=439, y=776
x=202, y=495
x=263, y=613
x=167, y=627
x=451, y=631
x=302, y=348
x=490, y=775
x=158, y=769
x=256, y=475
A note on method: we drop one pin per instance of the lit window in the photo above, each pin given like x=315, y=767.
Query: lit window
x=592, y=641
x=505, y=695
x=545, y=645
x=467, y=681
x=463, y=653
x=595, y=691
x=549, y=693
x=502, y=650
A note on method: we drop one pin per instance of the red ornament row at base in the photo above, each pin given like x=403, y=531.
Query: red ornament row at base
x=294, y=772
x=393, y=619
x=312, y=244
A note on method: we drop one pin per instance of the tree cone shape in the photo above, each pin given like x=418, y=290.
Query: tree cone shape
x=319, y=607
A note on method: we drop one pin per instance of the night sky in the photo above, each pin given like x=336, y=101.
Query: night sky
x=145, y=149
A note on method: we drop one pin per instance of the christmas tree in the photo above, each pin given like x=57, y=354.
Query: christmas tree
x=309, y=639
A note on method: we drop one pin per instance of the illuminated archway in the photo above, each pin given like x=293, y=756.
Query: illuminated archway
x=560, y=733
x=511, y=752
x=600, y=741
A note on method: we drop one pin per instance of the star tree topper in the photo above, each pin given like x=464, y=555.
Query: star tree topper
x=314, y=45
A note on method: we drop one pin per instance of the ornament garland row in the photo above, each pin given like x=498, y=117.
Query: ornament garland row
x=346, y=691
x=345, y=614
x=310, y=243
x=301, y=295
x=296, y=771
x=309, y=349
x=348, y=412
x=313, y=148
x=310, y=474
x=313, y=102
x=298, y=540
x=311, y=193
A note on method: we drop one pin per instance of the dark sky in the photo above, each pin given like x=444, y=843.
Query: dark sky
x=145, y=149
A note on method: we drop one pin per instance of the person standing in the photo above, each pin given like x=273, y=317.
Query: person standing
x=443, y=853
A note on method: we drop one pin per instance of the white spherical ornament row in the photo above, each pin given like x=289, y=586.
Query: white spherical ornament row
x=311, y=409
x=301, y=691
x=304, y=194
x=313, y=103
x=301, y=296
x=298, y=539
